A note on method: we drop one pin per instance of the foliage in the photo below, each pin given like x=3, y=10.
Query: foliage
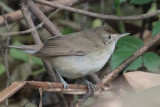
x=67, y=30
x=2, y=68
x=36, y=60
x=156, y=28
x=97, y=22
x=151, y=61
x=140, y=2
x=19, y=55
x=126, y=47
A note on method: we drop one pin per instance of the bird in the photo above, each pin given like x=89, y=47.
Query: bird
x=77, y=54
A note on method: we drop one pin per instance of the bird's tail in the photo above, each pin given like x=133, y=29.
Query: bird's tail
x=31, y=49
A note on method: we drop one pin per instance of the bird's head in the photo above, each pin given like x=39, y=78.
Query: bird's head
x=107, y=35
x=113, y=38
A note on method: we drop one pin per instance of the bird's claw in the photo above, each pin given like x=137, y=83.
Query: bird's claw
x=65, y=85
x=91, y=87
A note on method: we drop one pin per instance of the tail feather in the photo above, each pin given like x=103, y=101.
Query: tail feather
x=31, y=49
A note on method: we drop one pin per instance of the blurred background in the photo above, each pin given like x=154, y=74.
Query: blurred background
x=25, y=67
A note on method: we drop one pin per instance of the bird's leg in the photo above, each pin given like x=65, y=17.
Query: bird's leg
x=90, y=92
x=61, y=79
x=91, y=87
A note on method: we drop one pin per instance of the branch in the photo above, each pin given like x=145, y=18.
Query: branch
x=96, y=15
x=47, y=23
x=28, y=19
x=58, y=87
x=22, y=32
x=5, y=53
x=26, y=31
x=17, y=15
x=45, y=86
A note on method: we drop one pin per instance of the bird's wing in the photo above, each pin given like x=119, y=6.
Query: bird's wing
x=72, y=44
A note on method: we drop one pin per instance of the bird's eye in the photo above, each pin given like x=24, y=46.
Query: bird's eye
x=109, y=37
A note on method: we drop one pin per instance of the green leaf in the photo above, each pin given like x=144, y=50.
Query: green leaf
x=129, y=42
x=18, y=54
x=97, y=22
x=119, y=56
x=126, y=47
x=122, y=1
x=67, y=30
x=116, y=3
x=140, y=2
x=38, y=71
x=135, y=64
x=37, y=61
x=2, y=69
x=151, y=61
x=156, y=29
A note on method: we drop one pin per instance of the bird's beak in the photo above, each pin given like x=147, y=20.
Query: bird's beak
x=121, y=35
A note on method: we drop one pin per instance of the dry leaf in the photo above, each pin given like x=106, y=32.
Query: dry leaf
x=141, y=80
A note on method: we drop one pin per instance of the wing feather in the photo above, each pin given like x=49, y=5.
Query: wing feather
x=79, y=43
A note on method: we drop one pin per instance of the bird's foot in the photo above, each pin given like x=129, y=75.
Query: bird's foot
x=91, y=87
x=65, y=84
x=91, y=90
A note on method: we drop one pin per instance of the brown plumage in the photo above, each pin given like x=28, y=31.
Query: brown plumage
x=79, y=43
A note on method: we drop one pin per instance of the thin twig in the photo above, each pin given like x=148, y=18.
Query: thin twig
x=29, y=30
x=23, y=32
x=5, y=54
x=57, y=87
x=6, y=7
x=17, y=15
x=45, y=86
x=96, y=15
x=84, y=18
x=47, y=23
x=28, y=19
x=40, y=92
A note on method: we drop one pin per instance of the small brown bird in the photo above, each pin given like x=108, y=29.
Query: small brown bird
x=77, y=54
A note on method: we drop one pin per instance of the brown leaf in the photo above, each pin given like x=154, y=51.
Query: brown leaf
x=12, y=89
x=141, y=80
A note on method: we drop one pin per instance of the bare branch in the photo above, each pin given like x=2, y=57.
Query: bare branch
x=17, y=15
x=45, y=86
x=22, y=32
x=5, y=53
x=96, y=15
x=29, y=22
x=29, y=30
x=47, y=23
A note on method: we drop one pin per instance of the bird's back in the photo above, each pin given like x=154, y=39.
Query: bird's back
x=79, y=43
